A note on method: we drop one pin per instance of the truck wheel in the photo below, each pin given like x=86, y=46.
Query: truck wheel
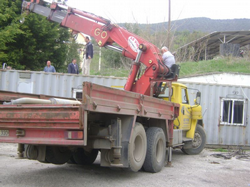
x=198, y=143
x=85, y=158
x=156, y=150
x=57, y=155
x=137, y=148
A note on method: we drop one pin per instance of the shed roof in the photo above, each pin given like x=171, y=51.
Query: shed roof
x=209, y=45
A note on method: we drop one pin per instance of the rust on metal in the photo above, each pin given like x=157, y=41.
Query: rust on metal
x=81, y=117
x=39, y=124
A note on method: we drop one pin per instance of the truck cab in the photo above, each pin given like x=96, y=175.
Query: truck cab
x=189, y=133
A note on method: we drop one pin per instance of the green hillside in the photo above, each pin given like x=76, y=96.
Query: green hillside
x=219, y=64
x=203, y=24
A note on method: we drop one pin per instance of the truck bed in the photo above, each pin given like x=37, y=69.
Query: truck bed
x=67, y=124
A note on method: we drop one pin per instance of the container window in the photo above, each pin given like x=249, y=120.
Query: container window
x=232, y=111
x=78, y=95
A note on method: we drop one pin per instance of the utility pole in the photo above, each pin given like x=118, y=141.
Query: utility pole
x=169, y=23
x=100, y=58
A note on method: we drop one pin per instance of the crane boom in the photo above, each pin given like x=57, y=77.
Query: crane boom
x=107, y=34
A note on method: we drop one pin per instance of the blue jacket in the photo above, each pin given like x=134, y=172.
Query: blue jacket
x=89, y=50
x=72, y=69
x=49, y=69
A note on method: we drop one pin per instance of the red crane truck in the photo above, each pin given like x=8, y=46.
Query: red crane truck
x=131, y=128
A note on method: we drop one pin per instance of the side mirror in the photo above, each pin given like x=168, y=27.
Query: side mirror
x=197, y=101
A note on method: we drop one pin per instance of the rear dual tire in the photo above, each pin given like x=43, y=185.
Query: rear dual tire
x=61, y=155
x=82, y=157
x=57, y=155
x=137, y=147
x=147, y=150
x=156, y=150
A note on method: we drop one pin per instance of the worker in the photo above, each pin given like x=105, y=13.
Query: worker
x=167, y=57
x=73, y=67
x=49, y=67
x=89, y=56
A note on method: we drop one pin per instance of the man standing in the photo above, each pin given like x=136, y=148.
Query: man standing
x=89, y=56
x=167, y=57
x=73, y=67
x=49, y=67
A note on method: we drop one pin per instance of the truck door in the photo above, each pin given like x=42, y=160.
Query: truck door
x=185, y=111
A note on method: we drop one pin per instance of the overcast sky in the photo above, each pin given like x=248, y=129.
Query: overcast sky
x=155, y=11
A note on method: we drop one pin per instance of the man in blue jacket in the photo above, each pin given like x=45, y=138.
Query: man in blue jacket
x=73, y=67
x=49, y=68
x=89, y=56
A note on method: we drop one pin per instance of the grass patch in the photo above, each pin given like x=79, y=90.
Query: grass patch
x=119, y=72
x=218, y=64
x=106, y=69
x=220, y=150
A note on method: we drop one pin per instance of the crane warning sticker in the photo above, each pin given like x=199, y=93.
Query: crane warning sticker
x=133, y=43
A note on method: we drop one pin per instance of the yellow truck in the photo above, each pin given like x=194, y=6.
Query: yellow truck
x=189, y=133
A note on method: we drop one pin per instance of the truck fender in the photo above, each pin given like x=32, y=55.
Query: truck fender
x=194, y=123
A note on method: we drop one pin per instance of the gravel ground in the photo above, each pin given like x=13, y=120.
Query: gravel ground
x=198, y=170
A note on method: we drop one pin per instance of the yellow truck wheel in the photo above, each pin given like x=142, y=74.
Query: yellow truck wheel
x=198, y=143
x=156, y=150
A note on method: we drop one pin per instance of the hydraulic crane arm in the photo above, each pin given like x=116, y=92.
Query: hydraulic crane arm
x=106, y=34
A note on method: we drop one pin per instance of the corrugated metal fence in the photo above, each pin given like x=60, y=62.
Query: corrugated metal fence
x=59, y=84
x=211, y=96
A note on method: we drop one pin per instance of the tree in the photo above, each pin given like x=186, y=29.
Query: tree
x=116, y=60
x=60, y=54
x=73, y=52
x=40, y=41
x=112, y=58
x=30, y=44
x=10, y=15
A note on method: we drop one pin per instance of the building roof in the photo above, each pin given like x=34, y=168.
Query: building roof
x=221, y=78
x=214, y=73
x=209, y=45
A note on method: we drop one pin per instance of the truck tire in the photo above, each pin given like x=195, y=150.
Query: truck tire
x=198, y=143
x=57, y=155
x=137, y=147
x=156, y=150
x=84, y=158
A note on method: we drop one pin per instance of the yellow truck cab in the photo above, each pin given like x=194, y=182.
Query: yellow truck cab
x=189, y=133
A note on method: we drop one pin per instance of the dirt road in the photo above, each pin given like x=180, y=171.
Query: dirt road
x=199, y=170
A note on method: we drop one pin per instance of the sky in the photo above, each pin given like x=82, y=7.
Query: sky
x=156, y=11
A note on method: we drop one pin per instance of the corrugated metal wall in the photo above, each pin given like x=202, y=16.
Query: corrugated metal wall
x=211, y=95
x=59, y=84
